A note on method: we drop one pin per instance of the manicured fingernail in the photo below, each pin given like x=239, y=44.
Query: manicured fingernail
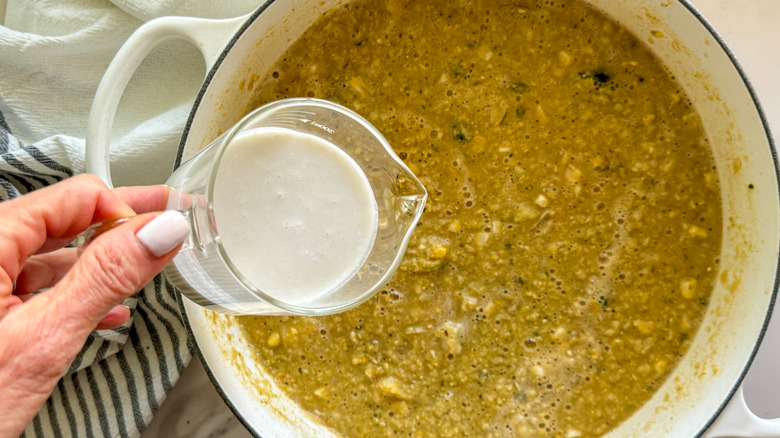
x=164, y=232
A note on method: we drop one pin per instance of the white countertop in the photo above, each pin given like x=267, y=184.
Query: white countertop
x=751, y=28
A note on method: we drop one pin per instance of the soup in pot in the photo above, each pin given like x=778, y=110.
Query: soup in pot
x=571, y=237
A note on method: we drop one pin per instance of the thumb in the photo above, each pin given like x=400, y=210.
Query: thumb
x=115, y=266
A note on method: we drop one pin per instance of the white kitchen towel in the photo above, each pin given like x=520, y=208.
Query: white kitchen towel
x=52, y=57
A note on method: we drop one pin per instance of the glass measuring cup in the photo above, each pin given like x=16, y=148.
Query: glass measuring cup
x=203, y=271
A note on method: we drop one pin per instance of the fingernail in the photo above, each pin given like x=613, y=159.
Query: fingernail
x=164, y=232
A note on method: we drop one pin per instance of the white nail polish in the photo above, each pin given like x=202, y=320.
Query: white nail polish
x=164, y=232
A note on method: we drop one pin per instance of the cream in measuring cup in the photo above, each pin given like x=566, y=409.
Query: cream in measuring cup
x=296, y=214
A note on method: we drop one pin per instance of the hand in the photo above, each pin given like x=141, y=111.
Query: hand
x=41, y=334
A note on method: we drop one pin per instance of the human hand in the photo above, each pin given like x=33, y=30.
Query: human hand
x=41, y=334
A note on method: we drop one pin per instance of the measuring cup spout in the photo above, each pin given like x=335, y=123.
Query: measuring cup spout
x=409, y=196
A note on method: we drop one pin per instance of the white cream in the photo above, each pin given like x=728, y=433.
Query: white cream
x=295, y=214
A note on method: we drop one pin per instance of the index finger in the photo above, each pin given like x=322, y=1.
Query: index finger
x=43, y=219
x=144, y=199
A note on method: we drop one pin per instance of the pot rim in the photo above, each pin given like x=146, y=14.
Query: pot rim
x=723, y=46
x=773, y=151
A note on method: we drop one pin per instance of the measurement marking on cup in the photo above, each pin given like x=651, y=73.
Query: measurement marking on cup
x=323, y=127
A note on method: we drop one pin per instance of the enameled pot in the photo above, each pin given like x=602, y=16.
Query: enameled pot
x=703, y=396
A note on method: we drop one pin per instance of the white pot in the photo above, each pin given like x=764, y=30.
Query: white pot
x=695, y=399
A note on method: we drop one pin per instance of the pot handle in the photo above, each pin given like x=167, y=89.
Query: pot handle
x=208, y=35
x=737, y=420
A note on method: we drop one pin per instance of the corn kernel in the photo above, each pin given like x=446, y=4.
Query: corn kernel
x=688, y=288
x=644, y=327
x=321, y=392
x=695, y=231
x=542, y=201
x=565, y=58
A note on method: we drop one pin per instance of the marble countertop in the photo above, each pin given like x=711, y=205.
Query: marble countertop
x=750, y=28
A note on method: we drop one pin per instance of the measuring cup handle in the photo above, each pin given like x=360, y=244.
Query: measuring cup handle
x=737, y=420
x=209, y=35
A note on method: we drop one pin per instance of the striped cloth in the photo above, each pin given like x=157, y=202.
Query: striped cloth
x=52, y=57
